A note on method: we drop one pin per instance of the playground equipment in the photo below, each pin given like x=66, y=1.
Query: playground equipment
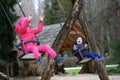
x=83, y=59
x=24, y=55
x=76, y=30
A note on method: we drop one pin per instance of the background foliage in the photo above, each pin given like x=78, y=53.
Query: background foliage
x=56, y=11
x=116, y=53
x=6, y=30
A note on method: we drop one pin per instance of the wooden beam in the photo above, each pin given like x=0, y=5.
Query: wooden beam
x=100, y=66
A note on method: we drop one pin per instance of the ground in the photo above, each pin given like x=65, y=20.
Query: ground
x=72, y=77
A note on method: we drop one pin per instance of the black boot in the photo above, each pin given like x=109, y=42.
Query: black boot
x=41, y=60
x=60, y=59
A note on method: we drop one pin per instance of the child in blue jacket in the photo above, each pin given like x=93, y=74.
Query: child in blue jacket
x=80, y=48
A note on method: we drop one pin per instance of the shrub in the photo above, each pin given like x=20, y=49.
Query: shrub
x=116, y=53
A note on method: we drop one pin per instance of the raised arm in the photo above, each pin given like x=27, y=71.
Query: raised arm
x=40, y=25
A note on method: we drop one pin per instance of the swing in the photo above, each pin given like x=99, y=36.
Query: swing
x=83, y=59
x=22, y=54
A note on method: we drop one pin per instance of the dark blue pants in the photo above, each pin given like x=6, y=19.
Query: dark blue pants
x=92, y=55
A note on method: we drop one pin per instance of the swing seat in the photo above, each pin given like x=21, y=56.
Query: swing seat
x=84, y=60
x=25, y=55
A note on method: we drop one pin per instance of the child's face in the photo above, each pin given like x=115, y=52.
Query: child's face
x=79, y=40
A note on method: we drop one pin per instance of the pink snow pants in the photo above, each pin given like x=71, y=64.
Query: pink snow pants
x=44, y=48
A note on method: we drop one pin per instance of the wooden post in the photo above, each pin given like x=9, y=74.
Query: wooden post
x=101, y=71
x=48, y=71
x=92, y=42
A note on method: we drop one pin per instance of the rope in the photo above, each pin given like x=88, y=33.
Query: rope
x=64, y=12
x=21, y=9
x=57, y=18
x=54, y=13
x=61, y=7
x=7, y=14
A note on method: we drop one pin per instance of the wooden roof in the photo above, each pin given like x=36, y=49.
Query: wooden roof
x=49, y=33
x=75, y=31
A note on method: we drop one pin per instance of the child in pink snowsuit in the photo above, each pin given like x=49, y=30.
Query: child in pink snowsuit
x=27, y=33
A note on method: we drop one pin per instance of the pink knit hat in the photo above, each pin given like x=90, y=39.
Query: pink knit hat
x=22, y=20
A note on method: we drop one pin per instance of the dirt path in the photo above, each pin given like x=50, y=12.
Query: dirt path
x=72, y=77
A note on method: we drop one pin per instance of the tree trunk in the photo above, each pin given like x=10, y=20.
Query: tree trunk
x=30, y=68
x=88, y=67
x=48, y=71
x=91, y=41
x=102, y=72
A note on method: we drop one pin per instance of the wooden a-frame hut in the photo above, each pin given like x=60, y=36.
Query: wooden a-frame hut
x=49, y=34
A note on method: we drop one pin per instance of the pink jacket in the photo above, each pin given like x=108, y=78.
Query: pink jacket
x=27, y=33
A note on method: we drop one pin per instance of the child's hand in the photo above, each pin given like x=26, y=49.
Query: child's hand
x=75, y=47
x=42, y=17
x=30, y=16
x=85, y=45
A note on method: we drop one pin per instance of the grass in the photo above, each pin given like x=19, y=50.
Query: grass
x=110, y=70
x=113, y=69
x=71, y=71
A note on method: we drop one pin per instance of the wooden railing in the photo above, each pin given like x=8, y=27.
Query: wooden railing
x=7, y=72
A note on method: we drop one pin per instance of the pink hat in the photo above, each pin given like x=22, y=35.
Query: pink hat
x=22, y=20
